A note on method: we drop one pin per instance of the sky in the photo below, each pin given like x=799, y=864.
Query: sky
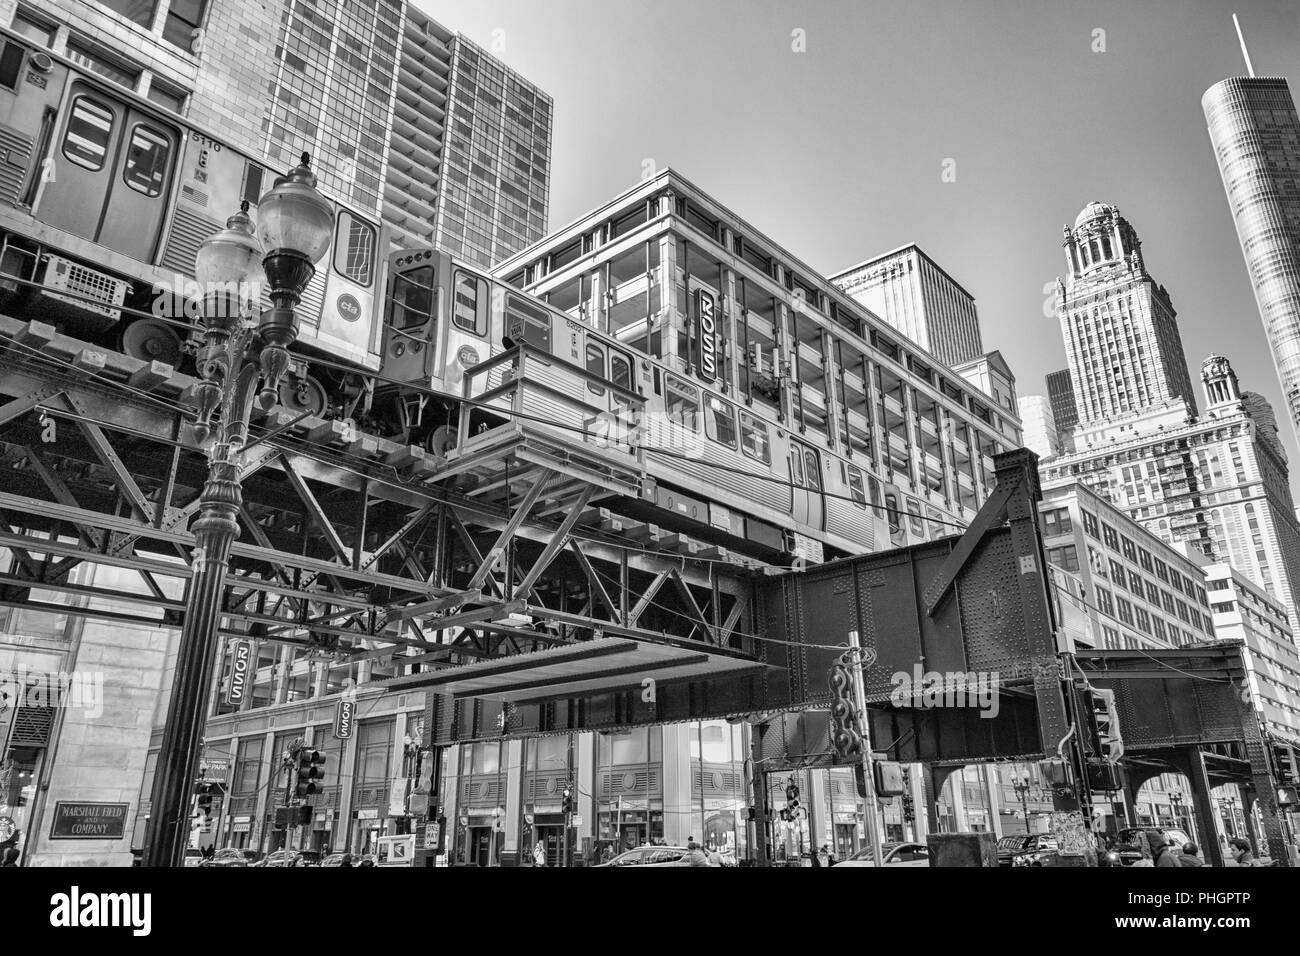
x=837, y=152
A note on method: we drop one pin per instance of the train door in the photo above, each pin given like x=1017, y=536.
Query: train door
x=415, y=317
x=111, y=171
x=806, y=478
x=605, y=363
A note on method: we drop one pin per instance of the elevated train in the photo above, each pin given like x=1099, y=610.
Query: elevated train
x=106, y=195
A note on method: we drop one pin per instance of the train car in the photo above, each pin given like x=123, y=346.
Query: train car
x=717, y=469
x=105, y=196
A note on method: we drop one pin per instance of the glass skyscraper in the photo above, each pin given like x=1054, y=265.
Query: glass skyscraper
x=1256, y=137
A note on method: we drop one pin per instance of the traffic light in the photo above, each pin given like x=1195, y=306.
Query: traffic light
x=793, y=809
x=567, y=804
x=1103, y=720
x=1284, y=763
x=845, y=737
x=311, y=773
x=909, y=809
x=1288, y=798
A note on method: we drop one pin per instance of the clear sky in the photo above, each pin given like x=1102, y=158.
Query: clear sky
x=837, y=152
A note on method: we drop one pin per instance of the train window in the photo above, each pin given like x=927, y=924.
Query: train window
x=595, y=368
x=11, y=61
x=914, y=522
x=620, y=370
x=90, y=126
x=796, y=465
x=146, y=161
x=682, y=402
x=891, y=512
x=857, y=489
x=33, y=28
x=814, y=473
x=470, y=299
x=354, y=249
x=411, y=304
x=720, y=422
x=753, y=439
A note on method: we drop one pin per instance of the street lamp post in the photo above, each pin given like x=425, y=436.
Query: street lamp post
x=1022, y=787
x=1176, y=799
x=295, y=223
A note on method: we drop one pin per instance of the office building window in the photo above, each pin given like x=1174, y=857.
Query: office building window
x=184, y=20
x=1056, y=522
x=1110, y=536
x=1089, y=523
x=1066, y=558
x=137, y=11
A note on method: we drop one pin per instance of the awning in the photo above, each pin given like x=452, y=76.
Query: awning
x=597, y=666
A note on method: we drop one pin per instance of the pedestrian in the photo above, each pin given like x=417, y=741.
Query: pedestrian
x=824, y=855
x=346, y=861
x=1165, y=853
x=9, y=856
x=694, y=855
x=1242, y=854
x=1191, y=856
x=539, y=853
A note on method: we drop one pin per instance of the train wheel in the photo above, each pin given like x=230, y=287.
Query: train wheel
x=442, y=440
x=152, y=341
x=303, y=394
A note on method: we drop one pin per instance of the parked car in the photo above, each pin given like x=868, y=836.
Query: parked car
x=282, y=858
x=228, y=857
x=194, y=858
x=1129, y=848
x=310, y=857
x=894, y=854
x=1025, y=849
x=650, y=856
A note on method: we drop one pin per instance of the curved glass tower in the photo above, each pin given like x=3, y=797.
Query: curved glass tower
x=1256, y=137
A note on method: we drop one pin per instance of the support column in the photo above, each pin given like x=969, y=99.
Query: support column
x=759, y=849
x=1203, y=802
x=993, y=791
x=935, y=778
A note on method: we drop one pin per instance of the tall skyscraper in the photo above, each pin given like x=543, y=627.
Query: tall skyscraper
x=1060, y=392
x=913, y=294
x=469, y=160
x=1039, y=426
x=495, y=193
x=1120, y=329
x=1216, y=481
x=1256, y=137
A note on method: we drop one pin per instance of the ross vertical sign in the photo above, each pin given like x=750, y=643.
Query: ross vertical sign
x=239, y=662
x=343, y=715
x=707, y=330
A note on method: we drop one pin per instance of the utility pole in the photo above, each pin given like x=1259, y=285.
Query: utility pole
x=868, y=771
